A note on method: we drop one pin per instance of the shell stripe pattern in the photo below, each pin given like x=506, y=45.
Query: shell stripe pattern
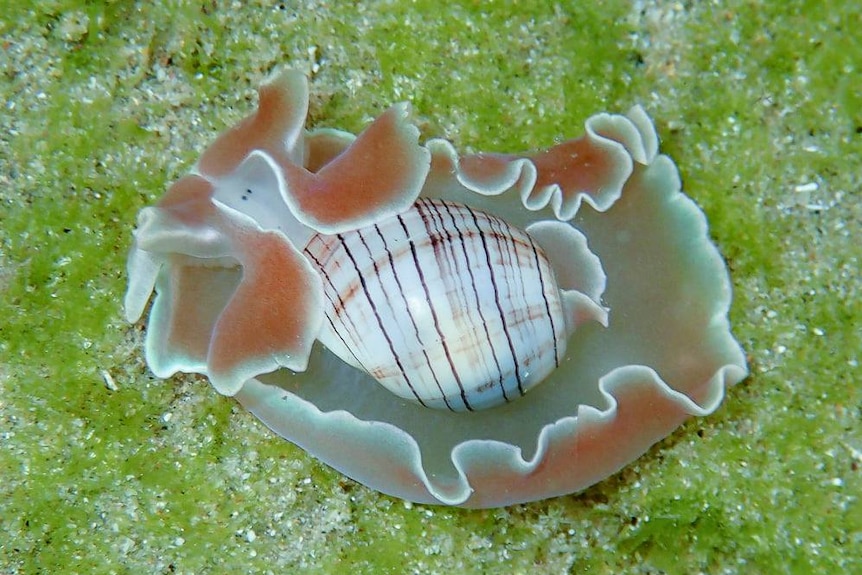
x=442, y=304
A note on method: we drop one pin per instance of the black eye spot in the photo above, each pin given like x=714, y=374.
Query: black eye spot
x=245, y=197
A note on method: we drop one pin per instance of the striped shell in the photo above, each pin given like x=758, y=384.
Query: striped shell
x=443, y=305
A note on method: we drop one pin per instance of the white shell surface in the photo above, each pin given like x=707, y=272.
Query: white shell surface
x=443, y=305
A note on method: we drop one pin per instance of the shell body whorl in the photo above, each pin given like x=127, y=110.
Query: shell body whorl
x=442, y=305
